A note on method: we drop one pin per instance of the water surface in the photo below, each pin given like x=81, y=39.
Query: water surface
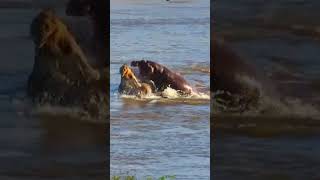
x=279, y=140
x=40, y=142
x=161, y=136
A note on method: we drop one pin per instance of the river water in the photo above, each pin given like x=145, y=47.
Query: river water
x=161, y=136
x=40, y=142
x=280, y=139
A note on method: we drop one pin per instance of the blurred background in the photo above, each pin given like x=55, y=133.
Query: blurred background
x=280, y=138
x=41, y=142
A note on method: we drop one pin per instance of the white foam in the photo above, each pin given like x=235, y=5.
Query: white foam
x=288, y=106
x=270, y=106
x=169, y=94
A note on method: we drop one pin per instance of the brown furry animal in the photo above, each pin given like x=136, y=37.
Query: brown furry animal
x=131, y=85
x=52, y=36
x=60, y=73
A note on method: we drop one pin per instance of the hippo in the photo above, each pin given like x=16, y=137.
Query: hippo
x=235, y=80
x=227, y=67
x=162, y=76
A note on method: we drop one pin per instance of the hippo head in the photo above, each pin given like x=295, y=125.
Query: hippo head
x=148, y=68
x=79, y=7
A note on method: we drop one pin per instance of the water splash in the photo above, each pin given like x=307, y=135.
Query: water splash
x=25, y=107
x=169, y=96
x=269, y=102
x=75, y=113
x=266, y=106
